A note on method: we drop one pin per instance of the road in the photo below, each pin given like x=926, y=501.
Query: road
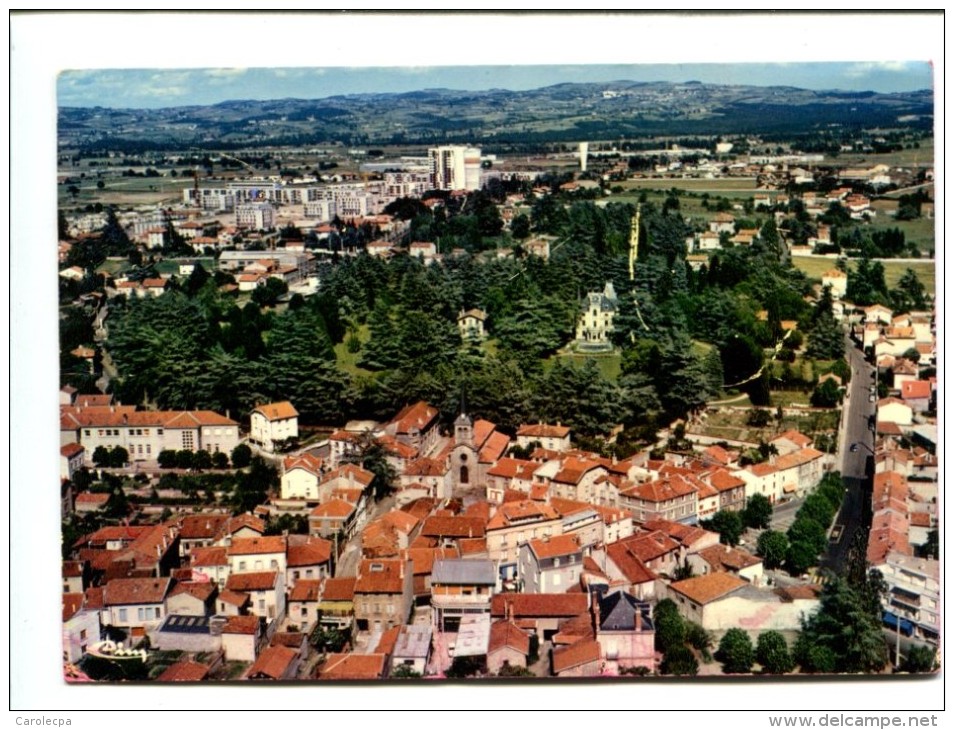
x=854, y=514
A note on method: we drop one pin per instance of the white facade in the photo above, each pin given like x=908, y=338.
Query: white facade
x=454, y=167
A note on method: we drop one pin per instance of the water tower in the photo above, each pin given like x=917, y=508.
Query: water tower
x=584, y=150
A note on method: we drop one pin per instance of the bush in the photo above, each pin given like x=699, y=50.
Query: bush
x=772, y=653
x=736, y=652
x=167, y=459
x=679, y=660
x=220, y=460
x=697, y=637
x=241, y=456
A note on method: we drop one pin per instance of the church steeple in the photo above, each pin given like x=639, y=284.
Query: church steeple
x=463, y=426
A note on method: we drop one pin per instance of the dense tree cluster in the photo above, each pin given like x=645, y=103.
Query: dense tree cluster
x=683, y=335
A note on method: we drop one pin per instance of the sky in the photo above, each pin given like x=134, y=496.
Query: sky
x=152, y=88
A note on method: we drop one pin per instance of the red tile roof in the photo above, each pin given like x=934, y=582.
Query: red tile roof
x=724, y=481
x=539, y=605
x=453, y=527
x=505, y=635
x=234, y=598
x=352, y=667
x=555, y=546
x=209, y=556
x=277, y=411
x=629, y=563
x=273, y=663
x=128, y=591
x=257, y=545
x=380, y=576
x=416, y=417
x=661, y=490
x=707, y=588
x=72, y=603
x=197, y=527
x=249, y=625
x=333, y=508
x=314, y=551
x=184, y=671
x=70, y=450
x=576, y=655
x=338, y=589
x=305, y=590
x=244, y=582
x=543, y=430
x=725, y=558
x=916, y=389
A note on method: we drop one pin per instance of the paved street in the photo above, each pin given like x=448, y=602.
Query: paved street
x=858, y=409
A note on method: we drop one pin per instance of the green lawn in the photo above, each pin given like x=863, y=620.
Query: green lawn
x=608, y=364
x=348, y=361
x=893, y=270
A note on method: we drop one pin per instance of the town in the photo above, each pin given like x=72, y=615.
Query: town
x=615, y=408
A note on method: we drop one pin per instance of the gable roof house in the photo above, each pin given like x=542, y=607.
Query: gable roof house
x=382, y=594
x=301, y=476
x=273, y=425
x=550, y=564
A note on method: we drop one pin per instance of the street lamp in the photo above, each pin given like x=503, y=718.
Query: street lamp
x=854, y=448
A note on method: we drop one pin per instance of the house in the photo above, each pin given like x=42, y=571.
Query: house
x=81, y=626
x=720, y=601
x=184, y=671
x=300, y=477
x=276, y=663
x=512, y=525
x=549, y=564
x=722, y=558
x=144, y=434
x=86, y=502
x=135, y=603
x=256, y=554
x=799, y=471
x=460, y=588
x=72, y=458
x=471, y=324
x=192, y=599
x=334, y=517
x=382, y=594
x=336, y=602
x=672, y=498
x=75, y=576
x=790, y=441
x=542, y=613
x=917, y=394
x=553, y=438
x=762, y=479
x=509, y=646
x=412, y=649
x=913, y=594
x=417, y=426
x=202, y=530
x=837, y=280
x=274, y=425
x=596, y=319
x=582, y=659
x=266, y=592
x=722, y=223
x=210, y=564
x=188, y=633
x=895, y=410
x=731, y=490
x=308, y=558
x=624, y=630
x=241, y=637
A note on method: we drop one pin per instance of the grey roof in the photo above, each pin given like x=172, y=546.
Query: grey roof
x=181, y=624
x=464, y=572
x=413, y=642
x=619, y=612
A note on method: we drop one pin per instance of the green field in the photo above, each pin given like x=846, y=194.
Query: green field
x=348, y=361
x=893, y=270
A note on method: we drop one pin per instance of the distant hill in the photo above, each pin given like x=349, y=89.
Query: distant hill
x=561, y=113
